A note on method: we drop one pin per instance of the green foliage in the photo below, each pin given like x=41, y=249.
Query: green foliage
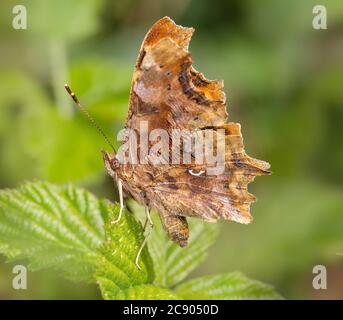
x=55, y=227
x=15, y=106
x=147, y=292
x=63, y=20
x=69, y=229
x=116, y=269
x=317, y=239
x=231, y=286
x=172, y=263
x=38, y=141
x=76, y=158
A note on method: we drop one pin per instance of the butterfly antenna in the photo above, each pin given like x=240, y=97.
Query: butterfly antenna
x=90, y=118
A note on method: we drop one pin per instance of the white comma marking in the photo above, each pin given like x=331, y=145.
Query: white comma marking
x=197, y=174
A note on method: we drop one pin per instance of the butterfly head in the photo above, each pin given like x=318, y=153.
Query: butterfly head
x=111, y=163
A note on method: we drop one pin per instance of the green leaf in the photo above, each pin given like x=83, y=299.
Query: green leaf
x=225, y=287
x=63, y=227
x=59, y=227
x=116, y=270
x=172, y=263
x=144, y=292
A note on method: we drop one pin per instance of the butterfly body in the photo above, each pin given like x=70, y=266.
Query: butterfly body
x=168, y=94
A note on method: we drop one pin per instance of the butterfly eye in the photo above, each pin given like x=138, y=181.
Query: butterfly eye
x=197, y=174
x=115, y=162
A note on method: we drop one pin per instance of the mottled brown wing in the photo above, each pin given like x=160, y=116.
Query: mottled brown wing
x=168, y=93
x=166, y=90
x=192, y=192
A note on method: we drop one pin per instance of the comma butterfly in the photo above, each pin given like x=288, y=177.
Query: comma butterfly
x=170, y=100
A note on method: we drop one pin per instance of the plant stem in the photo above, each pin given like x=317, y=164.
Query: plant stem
x=59, y=76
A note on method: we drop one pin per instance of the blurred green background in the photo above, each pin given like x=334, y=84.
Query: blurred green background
x=284, y=84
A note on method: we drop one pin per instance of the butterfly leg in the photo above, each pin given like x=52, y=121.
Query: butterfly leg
x=151, y=224
x=121, y=201
x=145, y=224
